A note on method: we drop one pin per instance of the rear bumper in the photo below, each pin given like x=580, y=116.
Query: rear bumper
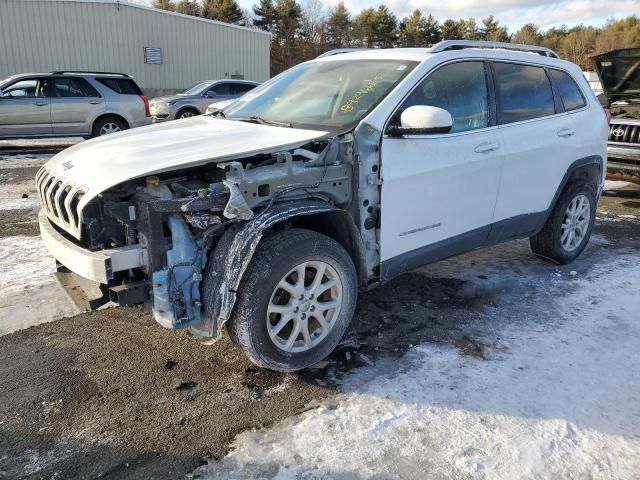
x=97, y=266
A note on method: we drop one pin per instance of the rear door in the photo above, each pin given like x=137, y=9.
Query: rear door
x=537, y=144
x=74, y=105
x=25, y=108
x=439, y=190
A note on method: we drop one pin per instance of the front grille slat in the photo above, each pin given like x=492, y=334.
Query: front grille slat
x=60, y=199
x=624, y=133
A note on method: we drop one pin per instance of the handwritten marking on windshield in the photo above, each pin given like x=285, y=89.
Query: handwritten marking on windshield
x=355, y=98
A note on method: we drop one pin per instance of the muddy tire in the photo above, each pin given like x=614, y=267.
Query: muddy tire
x=567, y=230
x=284, y=320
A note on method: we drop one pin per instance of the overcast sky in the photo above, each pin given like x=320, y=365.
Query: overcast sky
x=513, y=13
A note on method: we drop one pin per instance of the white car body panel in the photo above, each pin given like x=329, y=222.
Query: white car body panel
x=102, y=163
x=436, y=187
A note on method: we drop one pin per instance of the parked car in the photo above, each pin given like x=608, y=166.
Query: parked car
x=335, y=176
x=217, y=106
x=70, y=103
x=194, y=101
x=619, y=72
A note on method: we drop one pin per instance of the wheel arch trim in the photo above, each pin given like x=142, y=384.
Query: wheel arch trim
x=230, y=259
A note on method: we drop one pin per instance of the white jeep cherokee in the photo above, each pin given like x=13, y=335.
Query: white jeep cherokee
x=336, y=175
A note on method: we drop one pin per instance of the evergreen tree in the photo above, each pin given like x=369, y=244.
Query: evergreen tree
x=165, y=5
x=413, y=29
x=432, y=34
x=339, y=26
x=188, y=7
x=223, y=10
x=452, y=30
x=266, y=15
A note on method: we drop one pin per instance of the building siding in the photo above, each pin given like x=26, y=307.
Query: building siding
x=106, y=35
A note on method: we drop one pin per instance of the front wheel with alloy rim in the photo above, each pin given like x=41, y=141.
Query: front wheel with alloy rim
x=296, y=300
x=566, y=233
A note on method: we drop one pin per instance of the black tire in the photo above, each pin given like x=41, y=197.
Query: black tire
x=187, y=113
x=103, y=123
x=277, y=255
x=547, y=243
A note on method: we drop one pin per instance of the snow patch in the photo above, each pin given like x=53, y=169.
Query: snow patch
x=557, y=399
x=616, y=184
x=29, y=295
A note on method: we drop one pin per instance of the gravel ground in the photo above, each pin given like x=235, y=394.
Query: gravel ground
x=110, y=394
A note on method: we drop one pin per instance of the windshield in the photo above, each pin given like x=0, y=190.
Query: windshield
x=197, y=89
x=333, y=95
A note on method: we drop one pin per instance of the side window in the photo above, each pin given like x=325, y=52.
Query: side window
x=222, y=89
x=27, y=88
x=570, y=94
x=241, y=88
x=461, y=89
x=125, y=86
x=73, y=87
x=524, y=92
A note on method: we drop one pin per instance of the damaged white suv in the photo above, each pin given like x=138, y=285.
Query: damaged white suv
x=335, y=176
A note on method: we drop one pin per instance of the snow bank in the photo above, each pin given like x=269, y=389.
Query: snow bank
x=24, y=261
x=557, y=399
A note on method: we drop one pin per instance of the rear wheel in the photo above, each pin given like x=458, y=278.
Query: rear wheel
x=566, y=233
x=295, y=302
x=108, y=125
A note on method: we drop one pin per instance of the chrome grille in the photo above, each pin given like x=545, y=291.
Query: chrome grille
x=60, y=198
x=624, y=133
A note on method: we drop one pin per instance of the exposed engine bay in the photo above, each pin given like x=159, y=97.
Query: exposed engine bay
x=180, y=217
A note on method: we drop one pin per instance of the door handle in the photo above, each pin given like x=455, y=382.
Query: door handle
x=95, y=102
x=486, y=147
x=41, y=104
x=566, y=132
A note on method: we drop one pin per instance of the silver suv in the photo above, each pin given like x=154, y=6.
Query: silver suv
x=195, y=100
x=62, y=104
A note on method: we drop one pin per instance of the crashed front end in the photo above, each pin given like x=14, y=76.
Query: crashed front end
x=150, y=240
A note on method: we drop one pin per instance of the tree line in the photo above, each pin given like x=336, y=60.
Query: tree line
x=303, y=30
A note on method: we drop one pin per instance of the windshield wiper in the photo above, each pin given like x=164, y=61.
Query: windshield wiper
x=262, y=121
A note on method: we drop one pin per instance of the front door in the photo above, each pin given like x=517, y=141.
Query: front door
x=439, y=191
x=25, y=108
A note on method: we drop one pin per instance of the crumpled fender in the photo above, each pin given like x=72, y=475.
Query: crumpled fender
x=232, y=256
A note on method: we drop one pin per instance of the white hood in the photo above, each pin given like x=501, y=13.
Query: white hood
x=102, y=163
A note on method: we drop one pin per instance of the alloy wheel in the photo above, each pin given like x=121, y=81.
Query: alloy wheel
x=575, y=223
x=304, y=306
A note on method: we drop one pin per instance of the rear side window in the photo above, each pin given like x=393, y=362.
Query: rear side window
x=72, y=87
x=525, y=92
x=241, y=88
x=125, y=86
x=570, y=94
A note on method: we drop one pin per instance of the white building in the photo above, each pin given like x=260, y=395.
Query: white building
x=163, y=51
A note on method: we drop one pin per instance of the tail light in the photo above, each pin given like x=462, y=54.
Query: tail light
x=147, y=112
x=607, y=113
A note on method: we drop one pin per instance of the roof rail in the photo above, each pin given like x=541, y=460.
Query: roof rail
x=60, y=72
x=462, y=44
x=338, y=51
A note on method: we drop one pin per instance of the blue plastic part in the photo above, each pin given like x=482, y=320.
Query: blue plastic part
x=176, y=288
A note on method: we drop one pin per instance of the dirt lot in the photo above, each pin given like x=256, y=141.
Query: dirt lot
x=112, y=395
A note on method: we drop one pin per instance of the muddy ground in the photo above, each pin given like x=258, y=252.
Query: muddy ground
x=112, y=395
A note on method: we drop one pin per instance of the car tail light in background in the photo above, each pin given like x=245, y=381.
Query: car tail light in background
x=607, y=113
x=144, y=98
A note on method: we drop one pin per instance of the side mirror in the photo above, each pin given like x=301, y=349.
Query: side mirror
x=423, y=119
x=211, y=94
